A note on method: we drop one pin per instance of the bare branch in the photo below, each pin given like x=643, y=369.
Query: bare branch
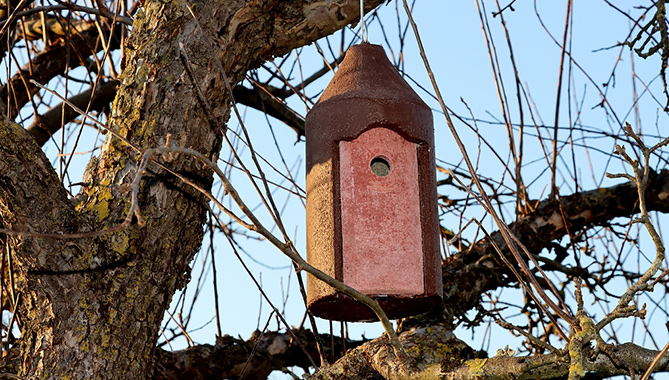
x=49, y=64
x=48, y=124
x=271, y=351
x=480, y=272
x=260, y=100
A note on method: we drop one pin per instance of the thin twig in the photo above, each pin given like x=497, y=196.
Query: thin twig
x=554, y=190
x=287, y=248
x=536, y=341
x=641, y=178
x=657, y=359
x=71, y=7
x=483, y=199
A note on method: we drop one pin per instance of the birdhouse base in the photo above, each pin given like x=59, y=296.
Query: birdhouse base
x=340, y=307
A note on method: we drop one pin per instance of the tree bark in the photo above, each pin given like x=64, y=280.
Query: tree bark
x=91, y=307
x=435, y=353
x=252, y=359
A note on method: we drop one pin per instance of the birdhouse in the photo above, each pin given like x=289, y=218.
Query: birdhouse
x=372, y=218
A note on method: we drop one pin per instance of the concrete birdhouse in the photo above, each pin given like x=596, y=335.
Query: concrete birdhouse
x=372, y=218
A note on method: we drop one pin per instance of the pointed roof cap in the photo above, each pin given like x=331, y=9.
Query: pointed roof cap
x=367, y=73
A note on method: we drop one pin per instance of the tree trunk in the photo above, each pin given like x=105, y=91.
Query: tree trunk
x=92, y=306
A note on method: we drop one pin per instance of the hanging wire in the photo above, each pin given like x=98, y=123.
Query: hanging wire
x=363, y=27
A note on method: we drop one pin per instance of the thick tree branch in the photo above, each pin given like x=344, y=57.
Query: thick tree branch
x=256, y=357
x=101, y=11
x=471, y=273
x=291, y=24
x=441, y=356
x=430, y=349
x=630, y=358
x=32, y=198
x=37, y=27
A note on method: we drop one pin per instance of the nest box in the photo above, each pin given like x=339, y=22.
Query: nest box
x=372, y=218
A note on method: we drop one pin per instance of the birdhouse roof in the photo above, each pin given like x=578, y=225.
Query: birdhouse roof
x=367, y=73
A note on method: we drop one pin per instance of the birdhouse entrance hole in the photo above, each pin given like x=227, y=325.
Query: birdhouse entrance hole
x=380, y=166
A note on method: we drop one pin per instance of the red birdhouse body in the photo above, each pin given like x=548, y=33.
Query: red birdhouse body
x=371, y=192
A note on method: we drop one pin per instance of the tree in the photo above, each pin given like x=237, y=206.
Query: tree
x=88, y=277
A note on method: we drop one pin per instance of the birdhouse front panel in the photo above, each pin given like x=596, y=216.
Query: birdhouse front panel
x=382, y=250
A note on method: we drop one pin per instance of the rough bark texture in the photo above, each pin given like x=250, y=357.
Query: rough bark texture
x=434, y=353
x=255, y=358
x=92, y=306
